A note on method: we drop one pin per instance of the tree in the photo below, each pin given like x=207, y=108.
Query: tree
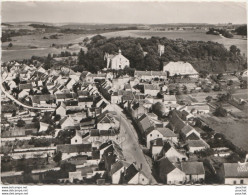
x=68, y=167
x=208, y=98
x=20, y=123
x=45, y=90
x=241, y=30
x=81, y=57
x=220, y=112
x=158, y=109
x=58, y=157
x=10, y=45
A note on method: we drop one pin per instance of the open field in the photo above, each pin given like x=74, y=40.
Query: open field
x=234, y=130
x=197, y=35
x=22, y=46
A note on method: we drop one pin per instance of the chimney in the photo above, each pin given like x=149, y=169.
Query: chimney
x=140, y=166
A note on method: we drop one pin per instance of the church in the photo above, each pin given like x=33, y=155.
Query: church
x=116, y=62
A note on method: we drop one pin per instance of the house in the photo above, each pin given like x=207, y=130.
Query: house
x=67, y=121
x=85, y=102
x=156, y=147
x=164, y=133
x=116, y=62
x=198, y=109
x=116, y=97
x=180, y=68
x=43, y=127
x=78, y=138
x=134, y=176
x=61, y=97
x=170, y=152
x=176, y=122
x=194, y=171
x=144, y=123
x=25, y=87
x=196, y=145
x=151, y=89
x=188, y=132
x=150, y=75
x=137, y=109
x=106, y=120
x=23, y=94
x=235, y=173
x=91, y=78
x=69, y=150
x=116, y=171
x=46, y=100
x=61, y=110
x=169, y=99
x=170, y=173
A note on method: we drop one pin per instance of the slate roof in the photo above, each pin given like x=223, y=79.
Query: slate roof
x=196, y=143
x=235, y=170
x=131, y=171
x=37, y=98
x=145, y=122
x=151, y=87
x=25, y=86
x=166, y=132
x=68, y=148
x=186, y=129
x=117, y=166
x=193, y=168
x=176, y=122
x=66, y=96
x=150, y=73
x=71, y=103
x=165, y=165
x=85, y=99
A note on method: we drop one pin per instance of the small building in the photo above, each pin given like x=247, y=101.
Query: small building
x=169, y=99
x=151, y=89
x=169, y=173
x=197, y=145
x=235, y=173
x=69, y=150
x=194, y=171
x=117, y=169
x=174, y=155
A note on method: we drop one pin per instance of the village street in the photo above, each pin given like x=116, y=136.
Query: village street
x=19, y=103
x=130, y=144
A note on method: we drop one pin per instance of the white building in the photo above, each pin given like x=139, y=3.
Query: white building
x=236, y=173
x=116, y=62
x=180, y=68
x=160, y=49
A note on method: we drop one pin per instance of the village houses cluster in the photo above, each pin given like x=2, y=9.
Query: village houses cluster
x=57, y=117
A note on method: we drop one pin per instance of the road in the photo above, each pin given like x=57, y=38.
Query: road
x=130, y=146
x=20, y=103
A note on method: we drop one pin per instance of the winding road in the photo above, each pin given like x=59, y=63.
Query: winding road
x=20, y=103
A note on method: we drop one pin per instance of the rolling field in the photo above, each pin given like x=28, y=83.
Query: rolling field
x=22, y=46
x=199, y=35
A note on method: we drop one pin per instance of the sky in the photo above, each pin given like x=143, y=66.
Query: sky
x=125, y=12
